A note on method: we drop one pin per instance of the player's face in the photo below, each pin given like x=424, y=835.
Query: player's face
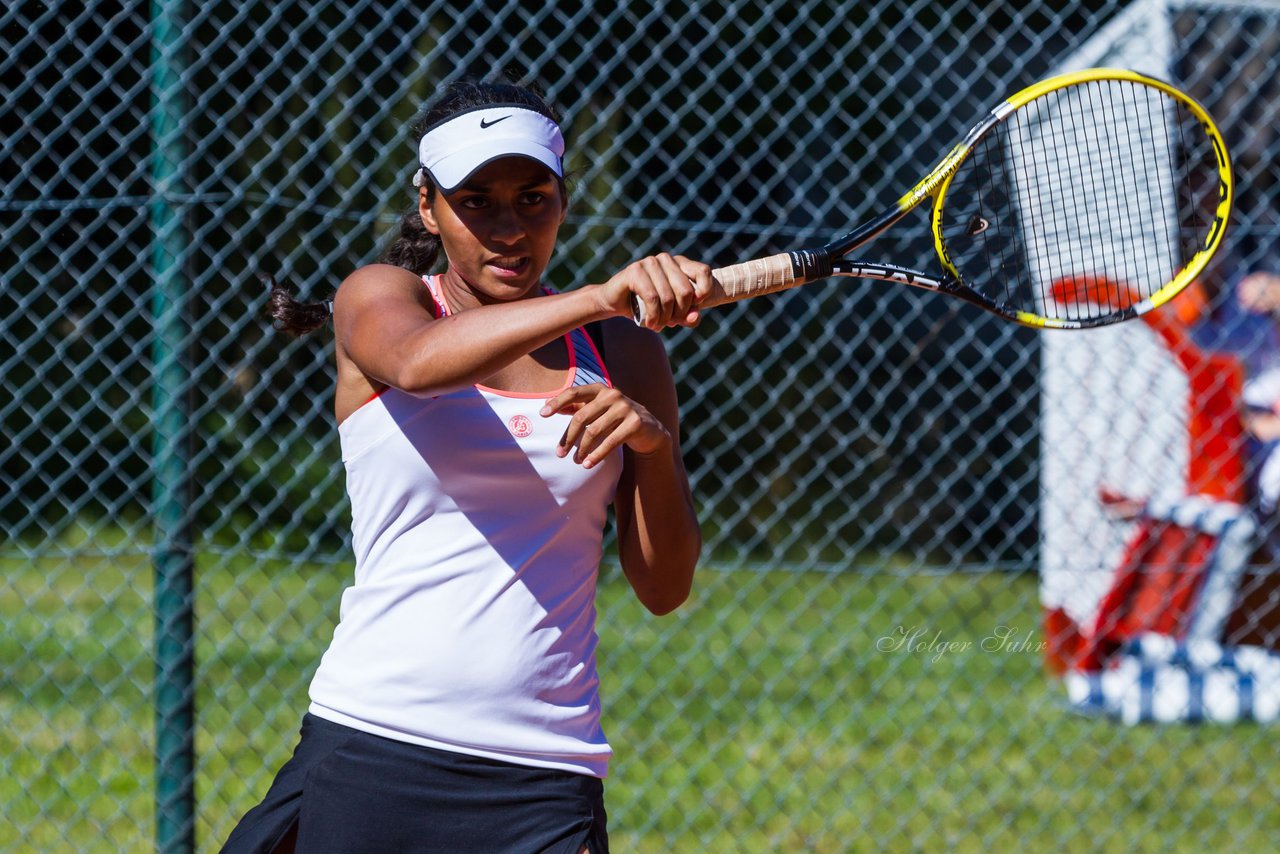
x=498, y=229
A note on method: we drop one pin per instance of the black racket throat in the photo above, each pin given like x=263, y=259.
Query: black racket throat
x=812, y=264
x=892, y=273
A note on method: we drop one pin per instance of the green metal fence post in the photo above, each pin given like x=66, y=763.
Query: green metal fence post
x=171, y=485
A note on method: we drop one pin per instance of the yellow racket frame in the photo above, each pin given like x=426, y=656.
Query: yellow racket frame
x=939, y=180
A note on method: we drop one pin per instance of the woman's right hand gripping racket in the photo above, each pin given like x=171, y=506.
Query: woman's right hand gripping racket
x=1083, y=200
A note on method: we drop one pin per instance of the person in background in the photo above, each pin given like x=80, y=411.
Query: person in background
x=1259, y=293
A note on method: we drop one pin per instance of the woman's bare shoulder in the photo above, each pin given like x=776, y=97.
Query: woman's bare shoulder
x=376, y=280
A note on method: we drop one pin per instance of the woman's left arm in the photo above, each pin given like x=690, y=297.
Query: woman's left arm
x=658, y=536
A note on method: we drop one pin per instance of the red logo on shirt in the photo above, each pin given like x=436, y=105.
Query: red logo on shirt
x=519, y=426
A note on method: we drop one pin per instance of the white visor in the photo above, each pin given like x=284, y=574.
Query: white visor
x=454, y=149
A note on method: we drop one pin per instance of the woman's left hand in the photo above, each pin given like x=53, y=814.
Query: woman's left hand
x=603, y=419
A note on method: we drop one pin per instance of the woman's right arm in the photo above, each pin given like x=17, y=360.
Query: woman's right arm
x=385, y=326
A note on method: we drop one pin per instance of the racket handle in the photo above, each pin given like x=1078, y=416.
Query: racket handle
x=750, y=279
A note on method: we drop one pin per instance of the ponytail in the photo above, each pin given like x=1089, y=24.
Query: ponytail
x=416, y=249
x=294, y=317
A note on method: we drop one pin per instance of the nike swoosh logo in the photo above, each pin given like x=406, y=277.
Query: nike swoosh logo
x=484, y=124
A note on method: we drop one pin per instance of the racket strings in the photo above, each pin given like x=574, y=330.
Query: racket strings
x=1083, y=203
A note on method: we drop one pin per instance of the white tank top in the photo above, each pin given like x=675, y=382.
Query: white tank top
x=471, y=622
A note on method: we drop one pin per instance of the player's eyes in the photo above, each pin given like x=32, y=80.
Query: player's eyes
x=532, y=198
x=474, y=202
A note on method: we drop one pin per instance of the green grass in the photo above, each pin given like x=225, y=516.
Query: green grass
x=762, y=716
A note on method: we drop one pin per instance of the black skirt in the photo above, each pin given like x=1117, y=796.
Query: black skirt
x=348, y=791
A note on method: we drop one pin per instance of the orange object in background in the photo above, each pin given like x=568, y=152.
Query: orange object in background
x=1152, y=590
x=1215, y=431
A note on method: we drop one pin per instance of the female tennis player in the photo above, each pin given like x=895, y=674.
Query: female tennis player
x=486, y=424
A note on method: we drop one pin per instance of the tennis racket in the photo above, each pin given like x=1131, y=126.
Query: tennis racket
x=1086, y=199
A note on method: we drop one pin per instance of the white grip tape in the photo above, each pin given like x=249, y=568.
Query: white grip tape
x=741, y=281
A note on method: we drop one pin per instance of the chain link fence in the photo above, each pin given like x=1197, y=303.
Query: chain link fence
x=861, y=664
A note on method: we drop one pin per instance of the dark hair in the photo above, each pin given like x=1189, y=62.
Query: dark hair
x=290, y=315
x=415, y=249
